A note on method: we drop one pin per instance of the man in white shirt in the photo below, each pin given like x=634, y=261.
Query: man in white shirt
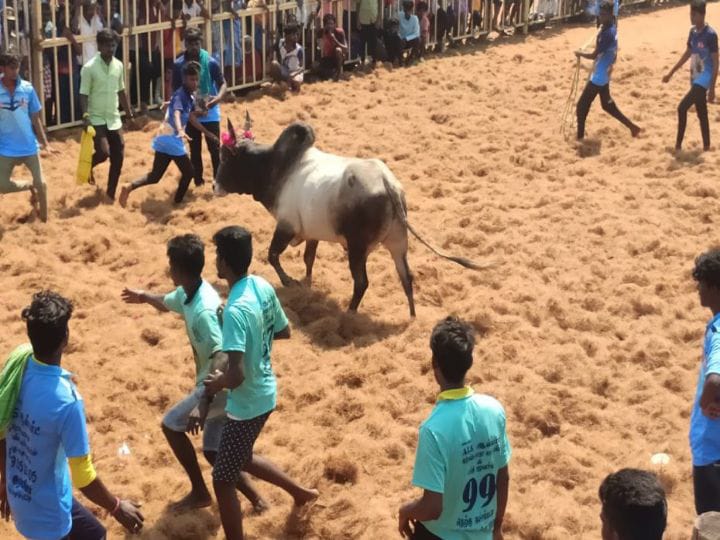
x=88, y=24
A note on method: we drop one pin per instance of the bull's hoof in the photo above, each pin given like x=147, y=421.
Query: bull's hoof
x=290, y=282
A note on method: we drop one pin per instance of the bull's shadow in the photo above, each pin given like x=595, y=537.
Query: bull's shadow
x=328, y=324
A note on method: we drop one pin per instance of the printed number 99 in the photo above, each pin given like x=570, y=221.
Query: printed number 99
x=485, y=490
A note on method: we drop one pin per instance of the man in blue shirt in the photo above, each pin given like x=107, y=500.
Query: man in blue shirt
x=702, y=51
x=604, y=56
x=463, y=451
x=211, y=92
x=198, y=303
x=20, y=129
x=47, y=432
x=252, y=320
x=705, y=418
x=169, y=143
x=633, y=506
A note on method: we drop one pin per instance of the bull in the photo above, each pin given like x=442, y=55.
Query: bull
x=315, y=196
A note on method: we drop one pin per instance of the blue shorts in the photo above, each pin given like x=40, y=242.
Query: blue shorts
x=176, y=419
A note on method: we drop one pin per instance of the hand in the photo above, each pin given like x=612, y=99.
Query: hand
x=129, y=516
x=86, y=122
x=67, y=33
x=711, y=95
x=666, y=78
x=712, y=411
x=4, y=504
x=49, y=149
x=132, y=124
x=214, y=382
x=182, y=135
x=211, y=103
x=133, y=296
x=404, y=523
x=196, y=420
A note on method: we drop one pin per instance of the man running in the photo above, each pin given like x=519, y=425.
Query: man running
x=604, y=56
x=702, y=51
x=252, y=320
x=47, y=432
x=198, y=302
x=102, y=82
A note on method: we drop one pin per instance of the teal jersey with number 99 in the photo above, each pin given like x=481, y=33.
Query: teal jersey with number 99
x=462, y=446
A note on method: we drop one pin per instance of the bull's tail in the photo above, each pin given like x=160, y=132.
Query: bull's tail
x=402, y=214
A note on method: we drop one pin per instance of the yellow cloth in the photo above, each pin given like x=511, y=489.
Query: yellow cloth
x=82, y=471
x=87, y=146
x=456, y=393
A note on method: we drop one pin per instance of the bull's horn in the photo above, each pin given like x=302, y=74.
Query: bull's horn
x=231, y=130
x=248, y=120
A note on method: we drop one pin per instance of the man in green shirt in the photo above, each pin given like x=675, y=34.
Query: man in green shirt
x=369, y=23
x=102, y=82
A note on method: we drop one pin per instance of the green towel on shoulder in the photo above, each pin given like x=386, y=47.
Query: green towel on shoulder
x=10, y=382
x=205, y=80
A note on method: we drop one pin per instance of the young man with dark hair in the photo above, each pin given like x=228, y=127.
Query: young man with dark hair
x=169, y=143
x=102, y=85
x=334, y=49
x=702, y=51
x=20, y=130
x=211, y=91
x=463, y=451
x=633, y=506
x=604, y=55
x=289, y=65
x=252, y=320
x=705, y=418
x=46, y=432
x=198, y=304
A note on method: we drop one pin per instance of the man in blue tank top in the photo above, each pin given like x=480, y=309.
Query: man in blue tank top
x=702, y=51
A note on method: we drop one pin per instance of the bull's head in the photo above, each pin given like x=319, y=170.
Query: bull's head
x=235, y=152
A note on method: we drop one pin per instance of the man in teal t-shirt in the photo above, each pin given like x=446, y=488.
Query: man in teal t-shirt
x=198, y=303
x=463, y=451
x=252, y=320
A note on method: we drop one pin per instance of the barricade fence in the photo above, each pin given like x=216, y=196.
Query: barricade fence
x=57, y=37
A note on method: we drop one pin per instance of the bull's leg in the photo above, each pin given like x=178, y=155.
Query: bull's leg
x=310, y=251
x=397, y=245
x=281, y=239
x=357, y=253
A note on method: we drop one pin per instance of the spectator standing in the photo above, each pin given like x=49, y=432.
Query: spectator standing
x=211, y=92
x=369, y=21
x=463, y=451
x=88, y=23
x=633, y=506
x=705, y=417
x=102, y=86
x=20, y=130
x=422, y=13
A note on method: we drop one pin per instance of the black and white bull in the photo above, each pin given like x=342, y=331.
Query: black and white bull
x=316, y=196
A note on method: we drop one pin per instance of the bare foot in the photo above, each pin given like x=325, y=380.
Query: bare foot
x=260, y=507
x=308, y=496
x=124, y=194
x=635, y=131
x=191, y=501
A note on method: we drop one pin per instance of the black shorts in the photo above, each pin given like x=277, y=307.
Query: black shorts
x=706, y=484
x=421, y=533
x=236, y=447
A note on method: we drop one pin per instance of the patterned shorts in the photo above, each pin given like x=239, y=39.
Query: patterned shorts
x=236, y=447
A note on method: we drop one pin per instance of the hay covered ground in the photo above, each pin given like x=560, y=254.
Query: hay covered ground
x=590, y=321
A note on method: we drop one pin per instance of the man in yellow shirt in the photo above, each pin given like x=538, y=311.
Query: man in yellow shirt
x=102, y=83
x=369, y=23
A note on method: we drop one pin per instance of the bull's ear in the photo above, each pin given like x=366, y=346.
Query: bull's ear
x=231, y=130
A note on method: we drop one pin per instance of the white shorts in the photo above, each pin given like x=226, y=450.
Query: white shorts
x=176, y=419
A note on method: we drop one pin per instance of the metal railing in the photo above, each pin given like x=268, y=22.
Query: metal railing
x=57, y=38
